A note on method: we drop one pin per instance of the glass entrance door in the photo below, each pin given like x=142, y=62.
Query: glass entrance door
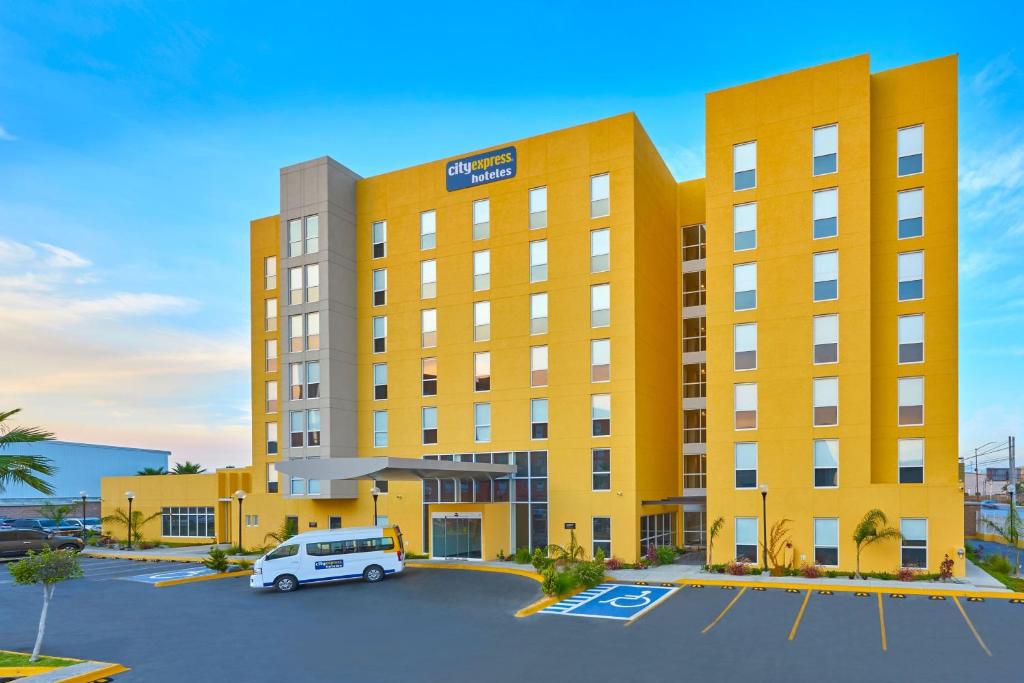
x=456, y=537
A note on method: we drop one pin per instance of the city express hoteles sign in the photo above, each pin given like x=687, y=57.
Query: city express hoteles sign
x=480, y=169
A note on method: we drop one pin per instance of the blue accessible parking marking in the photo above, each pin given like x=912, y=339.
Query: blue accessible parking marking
x=611, y=601
x=185, y=573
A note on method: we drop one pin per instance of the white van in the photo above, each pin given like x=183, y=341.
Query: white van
x=369, y=552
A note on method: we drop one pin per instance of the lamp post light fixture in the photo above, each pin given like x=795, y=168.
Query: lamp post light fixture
x=130, y=495
x=375, y=492
x=764, y=527
x=84, y=495
x=240, y=495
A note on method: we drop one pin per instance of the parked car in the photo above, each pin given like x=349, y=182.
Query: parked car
x=5, y=522
x=991, y=504
x=41, y=524
x=17, y=542
x=92, y=524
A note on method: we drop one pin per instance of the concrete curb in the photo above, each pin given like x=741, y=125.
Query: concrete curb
x=83, y=671
x=896, y=589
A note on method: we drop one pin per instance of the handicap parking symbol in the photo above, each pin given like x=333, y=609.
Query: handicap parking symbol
x=185, y=573
x=612, y=601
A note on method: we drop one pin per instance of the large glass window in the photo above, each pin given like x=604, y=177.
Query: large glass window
x=914, y=547
x=911, y=461
x=657, y=530
x=380, y=286
x=428, y=279
x=600, y=360
x=826, y=339
x=428, y=369
x=744, y=166
x=826, y=463
x=539, y=313
x=601, y=469
x=910, y=150
x=538, y=418
x=910, y=395
x=380, y=428
x=429, y=422
x=825, y=143
x=380, y=333
x=482, y=371
x=481, y=320
x=745, y=346
x=745, y=461
x=826, y=401
x=481, y=422
x=693, y=240
x=428, y=328
x=826, y=276
x=378, y=239
x=190, y=522
x=481, y=270
x=744, y=283
x=538, y=366
x=826, y=541
x=911, y=338
x=910, y=266
x=910, y=212
x=428, y=230
x=481, y=219
x=538, y=208
x=602, y=529
x=746, y=539
x=826, y=213
x=600, y=196
x=745, y=402
x=538, y=261
x=600, y=250
x=744, y=226
x=380, y=381
x=601, y=414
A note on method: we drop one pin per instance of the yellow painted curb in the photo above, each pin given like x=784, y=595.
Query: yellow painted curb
x=109, y=669
x=147, y=558
x=998, y=595
x=204, y=577
x=478, y=568
x=19, y=671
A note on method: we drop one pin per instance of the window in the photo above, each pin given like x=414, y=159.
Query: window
x=313, y=427
x=600, y=305
x=745, y=461
x=270, y=272
x=270, y=315
x=482, y=371
x=911, y=461
x=657, y=530
x=380, y=428
x=745, y=346
x=600, y=194
x=379, y=237
x=295, y=237
x=744, y=226
x=313, y=282
x=601, y=414
x=745, y=406
x=428, y=279
x=600, y=360
x=295, y=285
x=911, y=275
x=271, y=391
x=481, y=320
x=271, y=478
x=312, y=331
x=481, y=219
x=602, y=533
x=910, y=391
x=428, y=230
x=313, y=379
x=695, y=426
x=538, y=418
x=270, y=355
x=481, y=270
x=539, y=261
x=826, y=401
x=693, y=335
x=296, y=429
x=428, y=328
x=538, y=208
x=825, y=207
x=744, y=166
x=428, y=371
x=600, y=250
x=914, y=547
x=192, y=522
x=295, y=383
x=312, y=234
x=910, y=150
x=826, y=339
x=295, y=333
x=380, y=381
x=694, y=247
x=481, y=422
x=826, y=541
x=429, y=421
x=826, y=276
x=538, y=366
x=694, y=385
x=334, y=522
x=271, y=438
x=911, y=338
x=826, y=463
x=296, y=487
x=380, y=334
x=539, y=313
x=380, y=286
x=601, y=469
x=746, y=539
x=910, y=213
x=825, y=144
x=744, y=285
x=694, y=286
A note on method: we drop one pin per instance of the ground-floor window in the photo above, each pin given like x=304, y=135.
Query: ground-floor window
x=826, y=541
x=914, y=548
x=602, y=534
x=334, y=522
x=194, y=522
x=694, y=525
x=746, y=539
x=657, y=530
x=252, y=520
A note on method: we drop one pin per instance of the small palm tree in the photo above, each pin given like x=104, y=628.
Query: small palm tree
x=151, y=471
x=713, y=531
x=872, y=529
x=289, y=528
x=1010, y=531
x=138, y=520
x=55, y=513
x=570, y=554
x=24, y=469
x=187, y=468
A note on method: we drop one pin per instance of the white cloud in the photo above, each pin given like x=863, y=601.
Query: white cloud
x=994, y=74
x=6, y=136
x=1002, y=169
x=14, y=252
x=62, y=258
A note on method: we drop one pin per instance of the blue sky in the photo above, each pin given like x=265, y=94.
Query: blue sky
x=137, y=141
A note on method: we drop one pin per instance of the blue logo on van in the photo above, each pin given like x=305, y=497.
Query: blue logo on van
x=480, y=169
x=328, y=564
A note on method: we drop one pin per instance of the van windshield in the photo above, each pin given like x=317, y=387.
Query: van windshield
x=283, y=551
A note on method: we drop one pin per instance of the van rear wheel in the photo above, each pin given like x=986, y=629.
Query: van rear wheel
x=373, y=573
x=286, y=583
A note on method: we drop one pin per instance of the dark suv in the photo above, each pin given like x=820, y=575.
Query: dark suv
x=17, y=542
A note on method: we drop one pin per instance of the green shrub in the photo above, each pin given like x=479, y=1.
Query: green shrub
x=665, y=554
x=549, y=581
x=539, y=560
x=589, y=574
x=217, y=560
x=566, y=581
x=523, y=556
x=243, y=564
x=409, y=555
x=999, y=564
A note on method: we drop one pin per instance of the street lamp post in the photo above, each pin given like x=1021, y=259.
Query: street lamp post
x=240, y=495
x=764, y=527
x=375, y=492
x=130, y=495
x=84, y=495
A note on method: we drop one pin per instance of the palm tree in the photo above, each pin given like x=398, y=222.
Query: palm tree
x=150, y=471
x=871, y=529
x=24, y=469
x=1010, y=531
x=187, y=468
x=713, y=531
x=120, y=518
x=56, y=513
x=570, y=554
x=289, y=528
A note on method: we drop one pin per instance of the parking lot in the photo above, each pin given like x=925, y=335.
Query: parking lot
x=455, y=626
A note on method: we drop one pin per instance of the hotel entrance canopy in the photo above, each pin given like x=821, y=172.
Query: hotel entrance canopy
x=383, y=468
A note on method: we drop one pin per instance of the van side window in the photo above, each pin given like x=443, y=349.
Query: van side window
x=330, y=548
x=283, y=551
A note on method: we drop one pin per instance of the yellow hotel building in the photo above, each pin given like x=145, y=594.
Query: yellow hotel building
x=555, y=334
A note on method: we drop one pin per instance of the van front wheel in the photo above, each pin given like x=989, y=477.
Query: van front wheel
x=286, y=583
x=373, y=573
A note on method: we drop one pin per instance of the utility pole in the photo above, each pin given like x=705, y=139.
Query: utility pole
x=1012, y=443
